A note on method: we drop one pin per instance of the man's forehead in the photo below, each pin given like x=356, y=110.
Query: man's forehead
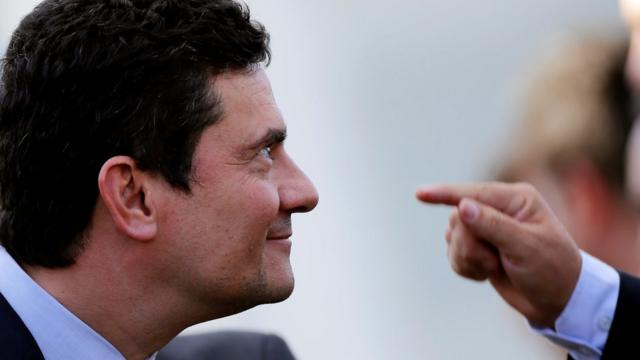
x=248, y=102
x=251, y=83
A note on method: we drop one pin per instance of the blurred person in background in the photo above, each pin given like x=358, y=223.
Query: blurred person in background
x=630, y=11
x=571, y=146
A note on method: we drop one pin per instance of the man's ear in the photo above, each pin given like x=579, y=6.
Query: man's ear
x=122, y=188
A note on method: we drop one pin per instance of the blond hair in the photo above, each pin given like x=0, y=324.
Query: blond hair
x=577, y=106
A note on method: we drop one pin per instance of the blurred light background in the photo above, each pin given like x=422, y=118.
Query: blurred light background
x=382, y=96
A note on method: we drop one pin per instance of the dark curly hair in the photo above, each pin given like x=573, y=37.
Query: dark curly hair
x=86, y=80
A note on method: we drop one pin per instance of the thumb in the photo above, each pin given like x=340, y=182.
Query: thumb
x=491, y=225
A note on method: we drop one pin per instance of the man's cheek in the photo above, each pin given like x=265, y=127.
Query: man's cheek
x=264, y=201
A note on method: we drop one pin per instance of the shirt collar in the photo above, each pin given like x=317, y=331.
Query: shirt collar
x=59, y=333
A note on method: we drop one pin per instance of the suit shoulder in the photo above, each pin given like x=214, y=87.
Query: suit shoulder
x=16, y=342
x=227, y=345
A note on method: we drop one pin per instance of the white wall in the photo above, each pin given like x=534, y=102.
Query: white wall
x=381, y=96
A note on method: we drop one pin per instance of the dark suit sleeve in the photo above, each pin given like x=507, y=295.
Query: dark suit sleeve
x=623, y=339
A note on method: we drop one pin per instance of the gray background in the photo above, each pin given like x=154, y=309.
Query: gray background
x=381, y=96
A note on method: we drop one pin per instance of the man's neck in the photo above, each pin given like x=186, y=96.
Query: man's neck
x=109, y=296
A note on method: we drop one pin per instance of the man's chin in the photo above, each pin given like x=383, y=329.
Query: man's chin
x=258, y=293
x=280, y=293
x=276, y=288
x=271, y=288
x=277, y=279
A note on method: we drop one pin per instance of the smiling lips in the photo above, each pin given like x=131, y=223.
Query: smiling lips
x=280, y=230
x=280, y=240
x=276, y=237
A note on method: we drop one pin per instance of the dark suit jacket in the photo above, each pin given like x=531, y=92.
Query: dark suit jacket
x=16, y=341
x=227, y=345
x=622, y=342
x=624, y=338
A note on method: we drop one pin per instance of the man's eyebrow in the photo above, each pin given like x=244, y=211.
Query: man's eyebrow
x=272, y=136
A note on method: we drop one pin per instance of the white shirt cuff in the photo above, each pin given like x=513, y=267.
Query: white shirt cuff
x=583, y=327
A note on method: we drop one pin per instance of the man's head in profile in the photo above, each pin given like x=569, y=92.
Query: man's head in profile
x=143, y=178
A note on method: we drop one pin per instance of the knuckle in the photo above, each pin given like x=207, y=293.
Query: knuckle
x=527, y=189
x=460, y=268
x=465, y=269
x=477, y=275
x=465, y=253
x=527, y=200
x=467, y=256
x=462, y=254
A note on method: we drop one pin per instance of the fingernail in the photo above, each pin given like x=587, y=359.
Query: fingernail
x=469, y=210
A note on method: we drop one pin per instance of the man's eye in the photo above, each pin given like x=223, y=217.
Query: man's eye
x=266, y=152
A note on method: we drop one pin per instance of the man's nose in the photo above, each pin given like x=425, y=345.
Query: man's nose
x=297, y=193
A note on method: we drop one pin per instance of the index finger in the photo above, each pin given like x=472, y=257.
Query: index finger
x=495, y=194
